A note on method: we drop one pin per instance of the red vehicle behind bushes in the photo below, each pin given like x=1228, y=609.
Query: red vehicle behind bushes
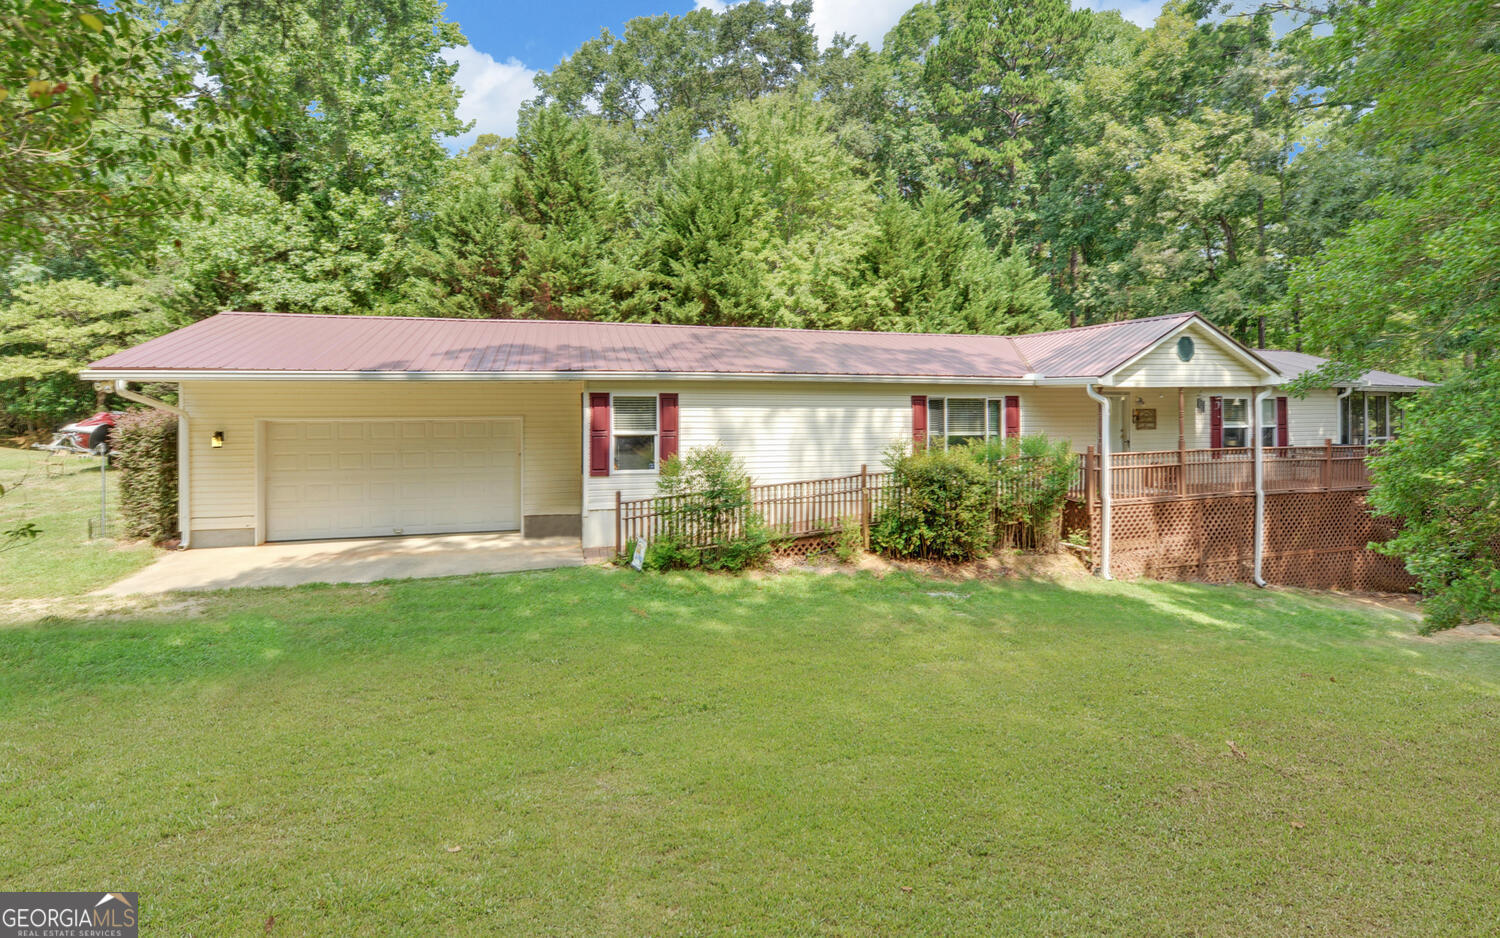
x=84, y=436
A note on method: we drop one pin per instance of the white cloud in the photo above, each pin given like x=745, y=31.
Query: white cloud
x=493, y=92
x=869, y=20
x=1139, y=12
x=865, y=20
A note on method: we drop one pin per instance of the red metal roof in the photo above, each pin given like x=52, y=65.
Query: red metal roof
x=286, y=342
x=1094, y=351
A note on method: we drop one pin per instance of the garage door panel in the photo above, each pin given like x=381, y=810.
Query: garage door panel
x=372, y=478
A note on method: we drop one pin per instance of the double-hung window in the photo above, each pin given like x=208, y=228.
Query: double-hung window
x=635, y=432
x=963, y=420
x=1237, y=421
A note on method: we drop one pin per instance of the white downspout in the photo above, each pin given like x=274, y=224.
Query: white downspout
x=184, y=435
x=122, y=388
x=1260, y=489
x=1105, y=502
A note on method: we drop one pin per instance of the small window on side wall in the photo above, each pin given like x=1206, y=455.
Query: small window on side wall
x=635, y=433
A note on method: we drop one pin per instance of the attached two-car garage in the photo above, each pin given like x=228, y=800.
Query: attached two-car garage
x=372, y=478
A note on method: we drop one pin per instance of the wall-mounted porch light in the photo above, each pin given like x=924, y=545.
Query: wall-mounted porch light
x=217, y=440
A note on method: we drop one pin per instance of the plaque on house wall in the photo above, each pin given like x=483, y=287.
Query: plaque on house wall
x=1144, y=418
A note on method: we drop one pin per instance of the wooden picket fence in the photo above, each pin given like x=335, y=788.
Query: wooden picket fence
x=794, y=511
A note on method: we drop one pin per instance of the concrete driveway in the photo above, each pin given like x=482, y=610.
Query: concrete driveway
x=358, y=561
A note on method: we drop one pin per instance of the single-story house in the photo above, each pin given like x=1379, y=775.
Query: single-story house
x=303, y=427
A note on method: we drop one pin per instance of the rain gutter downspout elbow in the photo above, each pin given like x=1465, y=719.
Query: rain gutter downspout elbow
x=1105, y=500
x=122, y=388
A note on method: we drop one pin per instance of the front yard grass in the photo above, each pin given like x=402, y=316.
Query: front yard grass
x=587, y=752
x=60, y=495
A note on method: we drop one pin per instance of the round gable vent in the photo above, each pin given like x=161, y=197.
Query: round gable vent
x=1185, y=348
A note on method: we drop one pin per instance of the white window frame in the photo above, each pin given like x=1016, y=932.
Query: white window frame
x=1248, y=425
x=943, y=431
x=1268, y=424
x=1366, y=437
x=615, y=433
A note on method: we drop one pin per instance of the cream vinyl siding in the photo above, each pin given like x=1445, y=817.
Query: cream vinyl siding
x=223, y=486
x=795, y=431
x=1312, y=419
x=1213, y=365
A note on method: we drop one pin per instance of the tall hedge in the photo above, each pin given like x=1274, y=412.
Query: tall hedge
x=145, y=443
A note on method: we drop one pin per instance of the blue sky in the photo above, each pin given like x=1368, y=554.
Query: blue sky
x=510, y=41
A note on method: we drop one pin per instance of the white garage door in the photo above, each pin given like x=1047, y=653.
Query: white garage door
x=340, y=478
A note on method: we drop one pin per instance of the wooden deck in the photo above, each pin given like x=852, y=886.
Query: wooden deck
x=1192, y=473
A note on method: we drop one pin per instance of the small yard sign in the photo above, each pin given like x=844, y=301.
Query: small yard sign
x=638, y=559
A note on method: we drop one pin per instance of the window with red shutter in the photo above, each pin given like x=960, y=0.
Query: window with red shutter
x=1012, y=415
x=919, y=421
x=1283, y=437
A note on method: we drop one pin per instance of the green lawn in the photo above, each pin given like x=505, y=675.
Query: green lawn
x=588, y=752
x=61, y=496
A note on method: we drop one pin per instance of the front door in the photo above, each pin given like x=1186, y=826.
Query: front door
x=1119, y=417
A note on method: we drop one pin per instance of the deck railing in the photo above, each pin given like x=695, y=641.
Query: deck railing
x=823, y=506
x=790, y=509
x=1183, y=473
x=798, y=509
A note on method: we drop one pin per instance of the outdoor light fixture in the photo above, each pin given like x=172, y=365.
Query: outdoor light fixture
x=217, y=440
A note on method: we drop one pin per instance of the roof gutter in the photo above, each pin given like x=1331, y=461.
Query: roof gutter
x=168, y=375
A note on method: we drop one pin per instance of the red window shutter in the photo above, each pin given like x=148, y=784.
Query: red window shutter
x=667, y=424
x=1216, y=422
x=1012, y=415
x=598, y=434
x=919, y=421
x=1282, y=437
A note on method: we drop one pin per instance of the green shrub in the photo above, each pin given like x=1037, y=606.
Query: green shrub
x=942, y=507
x=850, y=540
x=706, y=516
x=146, y=445
x=957, y=503
x=1033, y=475
x=670, y=553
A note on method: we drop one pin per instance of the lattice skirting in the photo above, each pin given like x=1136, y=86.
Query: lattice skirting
x=804, y=547
x=1313, y=539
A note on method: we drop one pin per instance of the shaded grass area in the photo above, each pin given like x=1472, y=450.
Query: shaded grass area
x=620, y=754
x=60, y=495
